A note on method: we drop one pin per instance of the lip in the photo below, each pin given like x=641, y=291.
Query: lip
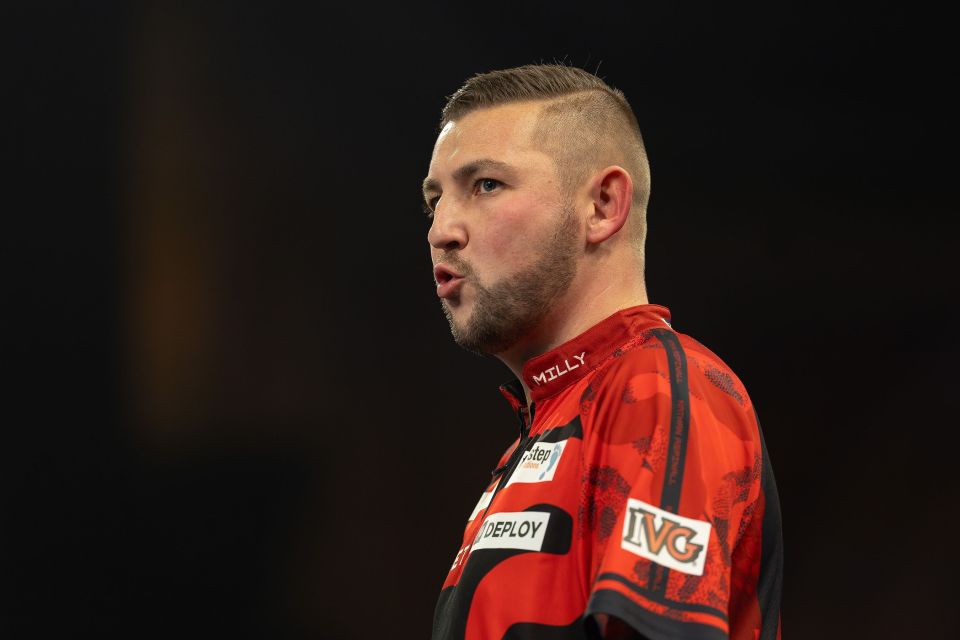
x=449, y=288
x=448, y=280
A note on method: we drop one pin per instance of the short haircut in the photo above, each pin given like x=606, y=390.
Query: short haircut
x=585, y=124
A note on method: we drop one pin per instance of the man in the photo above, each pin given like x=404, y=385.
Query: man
x=638, y=501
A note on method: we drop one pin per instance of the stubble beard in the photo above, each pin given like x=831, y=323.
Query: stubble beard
x=513, y=307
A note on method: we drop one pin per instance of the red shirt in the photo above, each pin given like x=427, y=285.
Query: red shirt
x=639, y=487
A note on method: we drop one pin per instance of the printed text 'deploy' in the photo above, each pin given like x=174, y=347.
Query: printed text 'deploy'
x=512, y=530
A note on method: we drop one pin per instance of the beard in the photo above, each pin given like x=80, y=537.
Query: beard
x=513, y=307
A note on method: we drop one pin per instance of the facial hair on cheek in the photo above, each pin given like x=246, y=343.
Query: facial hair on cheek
x=514, y=306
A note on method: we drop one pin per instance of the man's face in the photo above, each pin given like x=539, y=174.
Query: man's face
x=503, y=239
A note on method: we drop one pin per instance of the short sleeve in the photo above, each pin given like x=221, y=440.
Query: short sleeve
x=671, y=483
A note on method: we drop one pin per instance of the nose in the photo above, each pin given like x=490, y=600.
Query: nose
x=447, y=231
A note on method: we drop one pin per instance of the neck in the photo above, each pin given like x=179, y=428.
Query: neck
x=585, y=304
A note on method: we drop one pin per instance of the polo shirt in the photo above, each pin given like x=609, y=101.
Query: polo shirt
x=639, y=487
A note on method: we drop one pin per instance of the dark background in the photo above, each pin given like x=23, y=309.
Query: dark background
x=233, y=405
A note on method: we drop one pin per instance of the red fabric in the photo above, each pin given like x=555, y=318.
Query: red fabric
x=616, y=397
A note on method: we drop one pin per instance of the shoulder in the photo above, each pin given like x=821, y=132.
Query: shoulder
x=638, y=369
x=646, y=379
x=716, y=391
x=710, y=367
x=629, y=392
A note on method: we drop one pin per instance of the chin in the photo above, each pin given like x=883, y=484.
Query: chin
x=456, y=308
x=456, y=314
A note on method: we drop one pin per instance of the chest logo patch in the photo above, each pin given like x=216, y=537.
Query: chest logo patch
x=539, y=464
x=512, y=530
x=669, y=540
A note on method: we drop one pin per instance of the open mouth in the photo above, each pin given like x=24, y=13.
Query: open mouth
x=448, y=280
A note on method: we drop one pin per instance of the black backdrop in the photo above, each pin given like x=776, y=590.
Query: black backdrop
x=234, y=407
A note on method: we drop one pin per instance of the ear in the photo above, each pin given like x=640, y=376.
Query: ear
x=611, y=193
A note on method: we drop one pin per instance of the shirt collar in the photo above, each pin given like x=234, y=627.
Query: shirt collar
x=564, y=365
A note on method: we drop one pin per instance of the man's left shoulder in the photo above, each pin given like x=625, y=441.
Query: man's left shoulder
x=664, y=363
x=638, y=369
x=708, y=374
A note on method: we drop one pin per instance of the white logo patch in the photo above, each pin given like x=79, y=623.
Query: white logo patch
x=539, y=464
x=482, y=504
x=670, y=540
x=512, y=530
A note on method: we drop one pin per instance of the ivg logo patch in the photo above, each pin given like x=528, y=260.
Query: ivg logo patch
x=539, y=464
x=670, y=540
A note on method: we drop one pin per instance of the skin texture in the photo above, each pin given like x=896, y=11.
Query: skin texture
x=541, y=261
x=514, y=306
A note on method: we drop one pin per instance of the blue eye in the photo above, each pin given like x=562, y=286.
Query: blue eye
x=486, y=185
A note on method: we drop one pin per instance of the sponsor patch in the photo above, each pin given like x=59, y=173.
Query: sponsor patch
x=539, y=464
x=512, y=530
x=482, y=504
x=670, y=540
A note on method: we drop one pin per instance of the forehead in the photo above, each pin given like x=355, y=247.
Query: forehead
x=503, y=132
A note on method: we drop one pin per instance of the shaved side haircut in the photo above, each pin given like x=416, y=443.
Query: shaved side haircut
x=585, y=125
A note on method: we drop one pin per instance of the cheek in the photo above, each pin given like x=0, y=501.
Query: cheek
x=503, y=243
x=515, y=233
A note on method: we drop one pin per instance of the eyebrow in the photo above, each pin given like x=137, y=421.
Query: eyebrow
x=467, y=171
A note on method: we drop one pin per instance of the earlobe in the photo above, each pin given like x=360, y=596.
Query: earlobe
x=612, y=197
